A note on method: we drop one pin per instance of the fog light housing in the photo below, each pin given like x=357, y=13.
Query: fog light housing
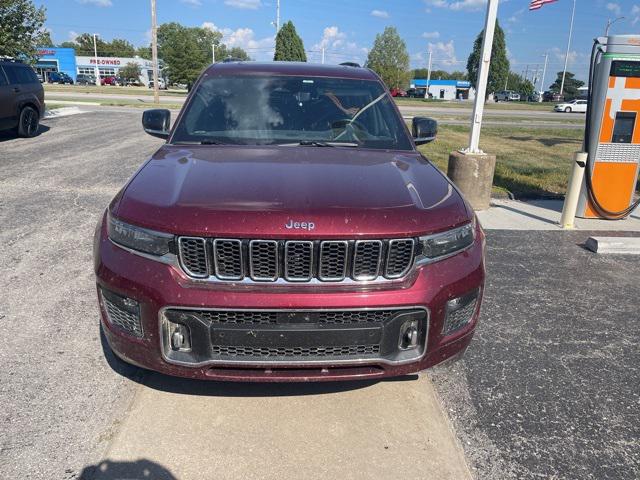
x=409, y=335
x=179, y=336
x=459, y=312
x=123, y=312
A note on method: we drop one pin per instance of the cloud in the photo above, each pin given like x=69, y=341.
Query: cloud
x=444, y=53
x=379, y=13
x=457, y=5
x=73, y=35
x=635, y=12
x=614, y=7
x=97, y=3
x=193, y=3
x=244, y=4
x=245, y=38
x=431, y=35
x=559, y=54
x=337, y=47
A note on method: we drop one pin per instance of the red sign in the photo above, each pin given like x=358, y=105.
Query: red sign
x=44, y=52
x=105, y=61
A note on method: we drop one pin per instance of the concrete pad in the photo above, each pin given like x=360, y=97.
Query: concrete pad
x=545, y=215
x=618, y=245
x=195, y=430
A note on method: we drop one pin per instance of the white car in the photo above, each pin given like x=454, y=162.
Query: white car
x=572, y=106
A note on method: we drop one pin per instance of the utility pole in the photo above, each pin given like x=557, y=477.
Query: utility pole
x=154, y=52
x=544, y=72
x=323, y=55
x=277, y=16
x=426, y=93
x=95, y=53
x=213, y=53
x=566, y=57
x=526, y=73
x=609, y=23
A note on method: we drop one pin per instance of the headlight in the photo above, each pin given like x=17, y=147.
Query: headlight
x=442, y=245
x=138, y=238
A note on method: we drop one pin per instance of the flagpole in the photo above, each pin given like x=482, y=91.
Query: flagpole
x=566, y=57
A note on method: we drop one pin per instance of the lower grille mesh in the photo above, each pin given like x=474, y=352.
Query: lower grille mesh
x=251, y=317
x=119, y=317
x=339, y=351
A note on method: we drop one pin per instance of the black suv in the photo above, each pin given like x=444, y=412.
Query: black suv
x=21, y=98
x=60, y=77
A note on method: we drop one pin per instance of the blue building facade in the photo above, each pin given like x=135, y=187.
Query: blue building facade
x=446, y=89
x=53, y=59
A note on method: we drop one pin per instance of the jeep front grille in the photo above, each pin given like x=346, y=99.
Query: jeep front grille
x=295, y=260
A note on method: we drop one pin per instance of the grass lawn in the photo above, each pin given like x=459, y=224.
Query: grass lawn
x=530, y=162
x=466, y=104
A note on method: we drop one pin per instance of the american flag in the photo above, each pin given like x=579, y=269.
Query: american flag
x=536, y=4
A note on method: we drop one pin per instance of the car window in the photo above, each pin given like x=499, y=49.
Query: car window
x=20, y=74
x=292, y=109
x=3, y=78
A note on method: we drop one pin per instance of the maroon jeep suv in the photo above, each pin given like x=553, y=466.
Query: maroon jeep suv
x=288, y=230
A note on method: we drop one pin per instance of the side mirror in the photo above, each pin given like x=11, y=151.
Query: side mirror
x=424, y=130
x=156, y=122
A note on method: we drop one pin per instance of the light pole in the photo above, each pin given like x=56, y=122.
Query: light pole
x=426, y=93
x=213, y=53
x=566, y=57
x=544, y=72
x=609, y=23
x=95, y=56
x=154, y=52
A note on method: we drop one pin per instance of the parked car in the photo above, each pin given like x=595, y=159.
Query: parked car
x=162, y=85
x=113, y=81
x=416, y=92
x=59, y=77
x=273, y=236
x=398, y=92
x=549, y=96
x=21, y=98
x=534, y=97
x=507, y=96
x=576, y=105
x=129, y=82
x=84, y=79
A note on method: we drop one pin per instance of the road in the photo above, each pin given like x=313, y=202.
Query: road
x=410, y=110
x=548, y=389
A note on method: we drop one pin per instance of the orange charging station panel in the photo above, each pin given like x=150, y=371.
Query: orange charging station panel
x=614, y=137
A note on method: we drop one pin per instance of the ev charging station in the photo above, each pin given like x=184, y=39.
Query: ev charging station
x=612, y=130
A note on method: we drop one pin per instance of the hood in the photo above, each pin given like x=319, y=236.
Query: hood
x=264, y=191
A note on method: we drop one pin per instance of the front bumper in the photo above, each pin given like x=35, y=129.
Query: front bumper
x=162, y=290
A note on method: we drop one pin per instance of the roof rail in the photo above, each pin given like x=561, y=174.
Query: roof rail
x=5, y=58
x=350, y=64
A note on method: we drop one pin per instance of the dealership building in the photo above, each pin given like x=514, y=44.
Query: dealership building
x=446, y=89
x=65, y=60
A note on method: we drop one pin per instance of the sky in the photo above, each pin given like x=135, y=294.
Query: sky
x=347, y=28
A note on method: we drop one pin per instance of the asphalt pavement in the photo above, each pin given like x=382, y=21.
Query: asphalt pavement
x=548, y=389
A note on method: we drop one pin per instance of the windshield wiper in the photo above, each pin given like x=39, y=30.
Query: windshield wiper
x=316, y=143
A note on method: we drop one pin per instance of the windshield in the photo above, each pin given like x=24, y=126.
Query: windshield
x=277, y=110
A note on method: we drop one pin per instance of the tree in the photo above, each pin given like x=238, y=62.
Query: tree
x=289, y=46
x=389, y=59
x=438, y=74
x=45, y=39
x=499, y=68
x=519, y=84
x=144, y=52
x=120, y=48
x=21, y=29
x=222, y=52
x=130, y=71
x=571, y=85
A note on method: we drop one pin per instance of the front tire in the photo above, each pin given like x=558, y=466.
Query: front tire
x=28, y=122
x=567, y=110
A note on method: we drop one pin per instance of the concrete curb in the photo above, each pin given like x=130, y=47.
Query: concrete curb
x=614, y=245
